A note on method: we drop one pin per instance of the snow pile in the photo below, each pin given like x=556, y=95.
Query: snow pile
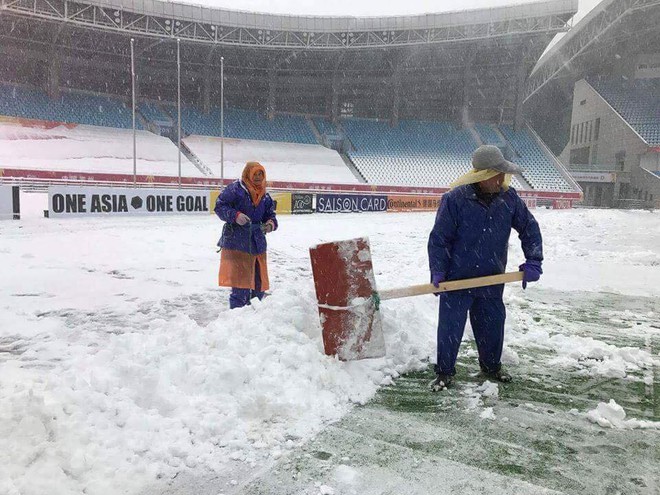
x=346, y=475
x=324, y=489
x=343, y=480
x=115, y=409
x=488, y=414
x=585, y=355
x=477, y=396
x=612, y=415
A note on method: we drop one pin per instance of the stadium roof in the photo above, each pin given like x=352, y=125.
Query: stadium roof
x=354, y=8
x=213, y=25
x=591, y=44
x=451, y=66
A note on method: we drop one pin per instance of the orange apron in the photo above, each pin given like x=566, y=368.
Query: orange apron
x=237, y=269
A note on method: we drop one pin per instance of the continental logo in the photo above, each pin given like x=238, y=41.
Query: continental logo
x=412, y=203
x=399, y=203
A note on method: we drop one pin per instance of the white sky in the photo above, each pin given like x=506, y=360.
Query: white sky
x=365, y=7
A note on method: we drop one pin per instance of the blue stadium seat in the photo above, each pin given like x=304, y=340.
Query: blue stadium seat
x=246, y=124
x=70, y=107
x=538, y=169
x=415, y=153
x=636, y=100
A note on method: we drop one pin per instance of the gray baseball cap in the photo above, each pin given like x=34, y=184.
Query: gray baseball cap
x=488, y=156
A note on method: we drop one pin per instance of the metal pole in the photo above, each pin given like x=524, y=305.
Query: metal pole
x=134, y=131
x=178, y=85
x=222, y=121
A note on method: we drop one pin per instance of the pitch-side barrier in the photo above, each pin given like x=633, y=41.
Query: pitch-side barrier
x=73, y=194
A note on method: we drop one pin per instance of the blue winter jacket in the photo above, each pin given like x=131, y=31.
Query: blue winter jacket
x=471, y=239
x=248, y=238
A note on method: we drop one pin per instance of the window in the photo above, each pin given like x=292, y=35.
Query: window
x=620, y=160
x=582, y=132
x=347, y=108
x=591, y=125
x=597, y=129
x=579, y=156
x=594, y=153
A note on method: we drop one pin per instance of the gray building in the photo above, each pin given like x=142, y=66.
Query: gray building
x=614, y=145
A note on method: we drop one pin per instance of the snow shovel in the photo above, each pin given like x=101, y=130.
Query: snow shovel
x=348, y=300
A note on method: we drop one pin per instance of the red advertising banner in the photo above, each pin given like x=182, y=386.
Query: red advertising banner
x=41, y=124
x=530, y=202
x=562, y=204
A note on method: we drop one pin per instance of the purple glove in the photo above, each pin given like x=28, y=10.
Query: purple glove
x=437, y=279
x=531, y=271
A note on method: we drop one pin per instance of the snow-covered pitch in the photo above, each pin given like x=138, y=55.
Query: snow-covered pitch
x=121, y=366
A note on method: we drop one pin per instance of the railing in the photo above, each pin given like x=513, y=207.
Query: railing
x=558, y=164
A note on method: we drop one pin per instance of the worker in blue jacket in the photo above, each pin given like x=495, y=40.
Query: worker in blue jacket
x=470, y=239
x=249, y=213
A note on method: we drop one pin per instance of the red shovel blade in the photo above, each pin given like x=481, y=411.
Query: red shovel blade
x=344, y=281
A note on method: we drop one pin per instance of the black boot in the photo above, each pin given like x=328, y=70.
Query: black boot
x=499, y=375
x=441, y=382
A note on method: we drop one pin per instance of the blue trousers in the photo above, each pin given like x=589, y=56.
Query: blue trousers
x=487, y=315
x=241, y=297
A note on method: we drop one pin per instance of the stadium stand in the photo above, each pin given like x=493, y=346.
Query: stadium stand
x=413, y=153
x=538, y=169
x=424, y=154
x=70, y=107
x=283, y=161
x=90, y=149
x=636, y=100
x=245, y=124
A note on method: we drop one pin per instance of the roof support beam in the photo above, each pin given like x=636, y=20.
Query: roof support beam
x=486, y=24
x=566, y=55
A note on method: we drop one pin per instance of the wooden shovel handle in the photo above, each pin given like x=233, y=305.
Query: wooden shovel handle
x=467, y=283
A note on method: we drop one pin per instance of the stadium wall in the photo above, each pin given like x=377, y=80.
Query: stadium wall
x=602, y=141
